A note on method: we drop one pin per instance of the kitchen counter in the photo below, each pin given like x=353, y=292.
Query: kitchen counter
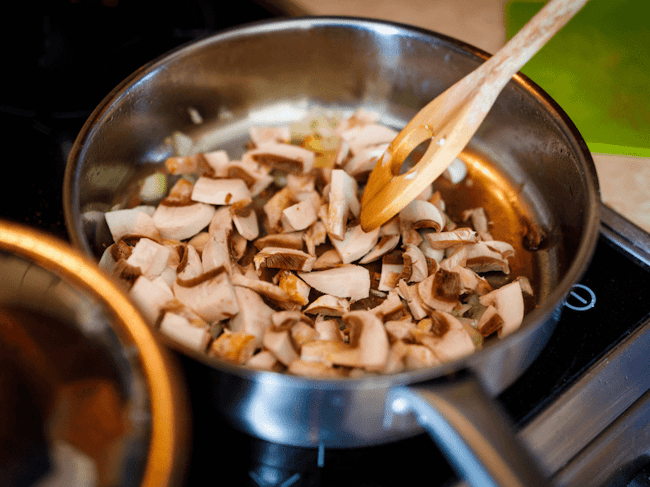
x=624, y=181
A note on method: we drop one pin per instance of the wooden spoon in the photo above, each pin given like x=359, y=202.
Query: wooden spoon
x=452, y=118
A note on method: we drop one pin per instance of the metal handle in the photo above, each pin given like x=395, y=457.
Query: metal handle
x=471, y=430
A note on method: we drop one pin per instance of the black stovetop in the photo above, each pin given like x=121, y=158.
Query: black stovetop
x=75, y=53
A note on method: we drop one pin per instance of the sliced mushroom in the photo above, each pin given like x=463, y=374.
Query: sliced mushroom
x=328, y=305
x=315, y=235
x=361, y=137
x=392, y=266
x=415, y=265
x=321, y=350
x=285, y=240
x=415, y=303
x=220, y=191
x=368, y=341
x=150, y=298
x=263, y=135
x=283, y=258
x=279, y=343
x=385, y=245
x=254, y=315
x=416, y=215
x=481, y=257
x=233, y=346
x=182, y=222
x=256, y=177
x=441, y=290
x=456, y=172
x=444, y=240
x=297, y=289
x=471, y=282
x=448, y=339
x=216, y=252
x=343, y=202
x=419, y=356
x=266, y=289
x=328, y=260
x=509, y=303
x=185, y=164
x=133, y=221
x=221, y=220
x=328, y=330
x=286, y=157
x=400, y=329
x=181, y=330
x=308, y=368
x=274, y=207
x=298, y=217
x=392, y=308
x=218, y=161
x=347, y=281
x=302, y=333
x=210, y=295
x=264, y=360
x=150, y=257
x=355, y=244
x=489, y=322
x=361, y=164
x=479, y=221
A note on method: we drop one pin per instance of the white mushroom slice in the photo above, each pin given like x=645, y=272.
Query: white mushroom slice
x=448, y=339
x=307, y=368
x=220, y=191
x=504, y=248
x=245, y=220
x=285, y=240
x=416, y=215
x=218, y=161
x=328, y=330
x=410, y=293
x=216, y=252
x=221, y=220
x=287, y=157
x=479, y=221
x=482, y=257
x=385, y=245
x=234, y=347
x=321, y=350
x=190, y=265
x=266, y=289
x=181, y=330
x=368, y=340
x=489, y=322
x=436, y=254
x=391, y=227
x=182, y=222
x=456, y=171
x=279, y=343
x=419, y=356
x=184, y=164
x=415, y=265
x=150, y=298
x=392, y=266
x=315, y=235
x=256, y=177
x=471, y=282
x=347, y=281
x=283, y=258
x=361, y=137
x=441, y=290
x=400, y=329
x=365, y=161
x=297, y=289
x=298, y=216
x=238, y=246
x=276, y=204
x=199, y=240
x=328, y=260
x=150, y=257
x=443, y=240
x=264, y=360
x=254, y=315
x=134, y=221
x=391, y=307
x=286, y=319
x=342, y=202
x=302, y=333
x=356, y=243
x=210, y=295
x=261, y=135
x=526, y=287
x=509, y=303
x=457, y=258
x=328, y=305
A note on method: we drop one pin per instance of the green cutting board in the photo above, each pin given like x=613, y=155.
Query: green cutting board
x=597, y=68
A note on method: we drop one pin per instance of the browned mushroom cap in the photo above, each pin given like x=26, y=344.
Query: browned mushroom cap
x=343, y=202
x=509, y=303
x=328, y=305
x=234, y=347
x=347, y=281
x=220, y=191
x=356, y=243
x=133, y=221
x=448, y=339
x=283, y=258
x=297, y=289
x=444, y=240
x=181, y=330
x=368, y=340
x=254, y=315
x=441, y=290
x=483, y=257
x=415, y=264
x=291, y=240
x=211, y=295
x=286, y=157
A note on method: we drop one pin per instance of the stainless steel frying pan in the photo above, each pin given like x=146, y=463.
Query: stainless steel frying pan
x=528, y=156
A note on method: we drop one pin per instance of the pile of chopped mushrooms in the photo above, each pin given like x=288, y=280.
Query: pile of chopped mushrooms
x=261, y=261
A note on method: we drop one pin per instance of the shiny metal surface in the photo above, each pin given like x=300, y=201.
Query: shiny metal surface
x=109, y=396
x=276, y=72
